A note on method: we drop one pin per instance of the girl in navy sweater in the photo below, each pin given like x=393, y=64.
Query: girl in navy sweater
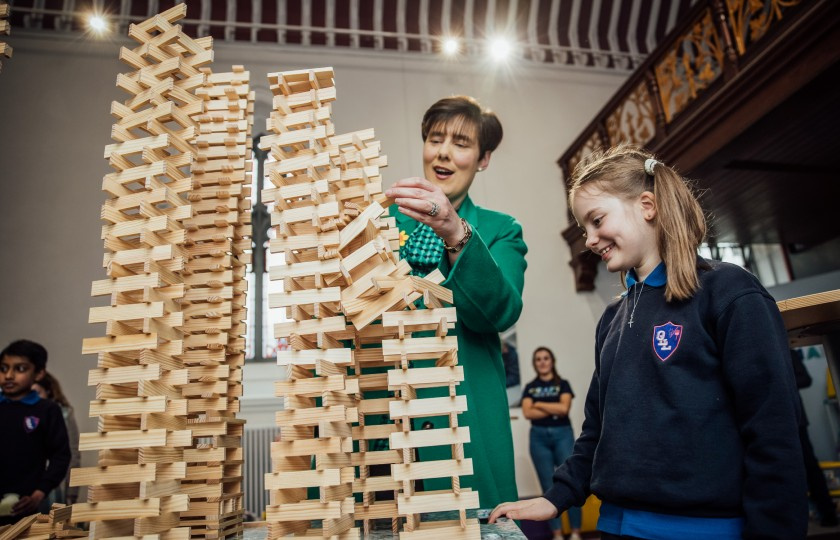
x=691, y=416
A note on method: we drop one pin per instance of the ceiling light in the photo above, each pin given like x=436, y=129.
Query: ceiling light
x=500, y=49
x=451, y=46
x=98, y=24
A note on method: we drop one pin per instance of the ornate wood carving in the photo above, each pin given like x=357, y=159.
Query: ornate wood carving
x=690, y=66
x=634, y=120
x=751, y=19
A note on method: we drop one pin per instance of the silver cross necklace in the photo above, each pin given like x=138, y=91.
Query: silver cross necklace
x=636, y=303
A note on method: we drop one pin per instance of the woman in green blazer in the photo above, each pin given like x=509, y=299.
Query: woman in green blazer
x=482, y=255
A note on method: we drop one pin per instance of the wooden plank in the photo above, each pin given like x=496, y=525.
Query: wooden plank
x=419, y=317
x=422, y=470
x=310, y=326
x=327, y=239
x=420, y=503
x=430, y=437
x=315, y=415
x=122, y=439
x=125, y=284
x=304, y=269
x=425, y=377
x=308, y=510
x=415, y=408
x=450, y=530
x=379, y=510
x=305, y=213
x=125, y=406
x=419, y=348
x=113, y=474
x=306, y=296
x=303, y=479
x=308, y=447
x=312, y=387
x=15, y=530
x=132, y=342
x=339, y=357
x=126, y=374
x=355, y=227
x=110, y=510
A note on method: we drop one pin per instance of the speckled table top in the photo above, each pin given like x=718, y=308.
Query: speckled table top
x=503, y=530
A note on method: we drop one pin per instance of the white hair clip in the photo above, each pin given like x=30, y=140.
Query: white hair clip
x=650, y=163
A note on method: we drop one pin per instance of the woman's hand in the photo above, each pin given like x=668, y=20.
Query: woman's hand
x=538, y=509
x=417, y=197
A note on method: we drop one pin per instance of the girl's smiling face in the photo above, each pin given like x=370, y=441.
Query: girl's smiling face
x=618, y=230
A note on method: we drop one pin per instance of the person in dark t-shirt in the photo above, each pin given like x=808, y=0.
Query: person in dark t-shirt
x=546, y=401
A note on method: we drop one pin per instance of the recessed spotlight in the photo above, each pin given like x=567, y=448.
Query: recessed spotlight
x=451, y=46
x=500, y=48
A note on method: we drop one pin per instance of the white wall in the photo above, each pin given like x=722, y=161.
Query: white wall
x=55, y=96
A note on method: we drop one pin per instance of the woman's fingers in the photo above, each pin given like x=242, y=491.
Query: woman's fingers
x=421, y=206
x=414, y=182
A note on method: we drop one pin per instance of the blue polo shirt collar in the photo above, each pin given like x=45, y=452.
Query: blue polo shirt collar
x=657, y=278
x=29, y=399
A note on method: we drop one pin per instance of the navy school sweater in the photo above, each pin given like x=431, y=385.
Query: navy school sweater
x=32, y=433
x=693, y=410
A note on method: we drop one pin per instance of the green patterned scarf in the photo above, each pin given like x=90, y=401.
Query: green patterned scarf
x=423, y=250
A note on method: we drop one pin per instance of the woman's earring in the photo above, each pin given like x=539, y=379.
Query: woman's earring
x=480, y=169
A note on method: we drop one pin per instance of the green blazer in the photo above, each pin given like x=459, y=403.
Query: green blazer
x=486, y=283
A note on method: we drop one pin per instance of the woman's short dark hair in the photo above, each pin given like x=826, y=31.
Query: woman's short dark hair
x=34, y=352
x=469, y=112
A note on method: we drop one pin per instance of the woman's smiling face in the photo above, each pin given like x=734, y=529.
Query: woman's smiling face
x=451, y=158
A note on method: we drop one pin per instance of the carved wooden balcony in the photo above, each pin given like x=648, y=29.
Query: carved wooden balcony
x=718, y=72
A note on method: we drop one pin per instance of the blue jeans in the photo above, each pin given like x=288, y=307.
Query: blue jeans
x=550, y=447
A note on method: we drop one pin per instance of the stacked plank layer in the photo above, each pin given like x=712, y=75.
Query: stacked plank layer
x=317, y=363
x=218, y=235
x=141, y=373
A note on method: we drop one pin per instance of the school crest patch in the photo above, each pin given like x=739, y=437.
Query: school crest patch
x=30, y=423
x=666, y=339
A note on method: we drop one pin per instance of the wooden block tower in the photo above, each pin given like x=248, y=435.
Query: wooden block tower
x=5, y=49
x=317, y=395
x=217, y=237
x=143, y=370
x=352, y=305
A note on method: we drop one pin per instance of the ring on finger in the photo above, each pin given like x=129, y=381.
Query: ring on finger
x=435, y=209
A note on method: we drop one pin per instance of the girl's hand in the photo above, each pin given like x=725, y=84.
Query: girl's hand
x=417, y=197
x=538, y=509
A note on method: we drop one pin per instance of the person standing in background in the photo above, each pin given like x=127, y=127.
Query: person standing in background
x=817, y=488
x=49, y=388
x=546, y=402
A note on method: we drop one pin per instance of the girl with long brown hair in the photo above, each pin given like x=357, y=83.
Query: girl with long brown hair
x=691, y=415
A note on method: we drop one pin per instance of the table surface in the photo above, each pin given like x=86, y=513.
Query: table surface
x=503, y=530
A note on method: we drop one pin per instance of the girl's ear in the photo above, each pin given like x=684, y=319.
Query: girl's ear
x=647, y=200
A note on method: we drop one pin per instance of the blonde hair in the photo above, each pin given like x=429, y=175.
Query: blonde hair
x=680, y=223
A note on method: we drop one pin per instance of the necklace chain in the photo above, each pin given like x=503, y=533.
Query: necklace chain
x=636, y=303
